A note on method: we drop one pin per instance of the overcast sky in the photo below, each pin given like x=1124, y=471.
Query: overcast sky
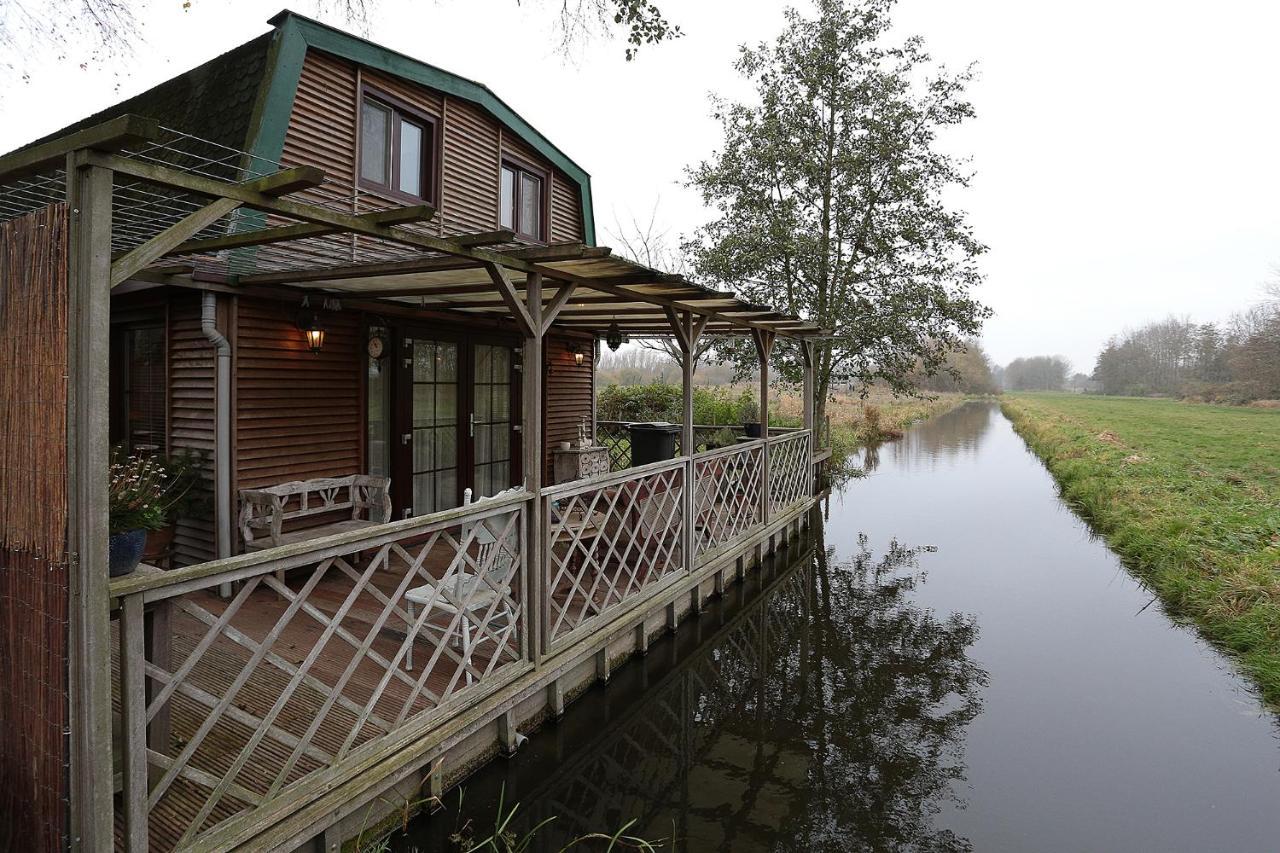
x=1127, y=153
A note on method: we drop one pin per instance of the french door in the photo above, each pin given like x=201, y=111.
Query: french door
x=455, y=420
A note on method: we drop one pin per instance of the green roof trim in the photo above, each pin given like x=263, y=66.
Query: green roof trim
x=296, y=33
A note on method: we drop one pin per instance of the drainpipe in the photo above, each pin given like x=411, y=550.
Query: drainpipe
x=222, y=429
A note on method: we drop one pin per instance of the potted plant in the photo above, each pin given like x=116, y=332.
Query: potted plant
x=749, y=411
x=136, y=504
x=182, y=500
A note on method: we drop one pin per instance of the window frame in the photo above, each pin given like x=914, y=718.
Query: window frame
x=518, y=165
x=400, y=111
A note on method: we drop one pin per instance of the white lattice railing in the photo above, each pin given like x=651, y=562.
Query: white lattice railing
x=790, y=469
x=726, y=489
x=228, y=705
x=609, y=539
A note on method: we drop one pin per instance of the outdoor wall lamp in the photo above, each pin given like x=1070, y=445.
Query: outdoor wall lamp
x=310, y=326
x=576, y=352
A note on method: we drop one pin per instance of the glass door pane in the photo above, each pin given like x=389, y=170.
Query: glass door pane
x=434, y=426
x=491, y=420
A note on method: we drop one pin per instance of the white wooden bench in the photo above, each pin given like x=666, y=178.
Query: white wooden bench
x=264, y=513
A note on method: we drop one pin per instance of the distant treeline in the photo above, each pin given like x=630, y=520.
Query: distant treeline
x=1235, y=362
x=968, y=371
x=1036, y=373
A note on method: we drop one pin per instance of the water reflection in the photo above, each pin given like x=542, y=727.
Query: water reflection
x=942, y=441
x=820, y=709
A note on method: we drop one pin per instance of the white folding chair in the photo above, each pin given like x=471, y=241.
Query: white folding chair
x=471, y=592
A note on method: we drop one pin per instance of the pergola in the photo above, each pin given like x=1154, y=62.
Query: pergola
x=150, y=206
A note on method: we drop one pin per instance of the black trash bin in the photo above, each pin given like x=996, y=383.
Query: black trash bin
x=653, y=442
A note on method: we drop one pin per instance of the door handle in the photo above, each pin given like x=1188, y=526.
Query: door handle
x=406, y=438
x=471, y=428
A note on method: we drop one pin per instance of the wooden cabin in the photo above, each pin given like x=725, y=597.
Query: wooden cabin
x=368, y=293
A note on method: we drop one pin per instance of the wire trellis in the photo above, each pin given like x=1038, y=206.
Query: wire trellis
x=142, y=209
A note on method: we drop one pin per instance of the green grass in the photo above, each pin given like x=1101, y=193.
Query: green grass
x=1188, y=496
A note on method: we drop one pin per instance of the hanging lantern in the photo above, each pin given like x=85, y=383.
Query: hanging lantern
x=310, y=325
x=613, y=336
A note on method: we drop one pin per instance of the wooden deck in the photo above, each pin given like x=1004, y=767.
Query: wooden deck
x=368, y=703
x=337, y=652
x=338, y=725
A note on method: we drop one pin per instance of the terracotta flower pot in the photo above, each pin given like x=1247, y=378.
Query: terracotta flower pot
x=159, y=542
x=124, y=551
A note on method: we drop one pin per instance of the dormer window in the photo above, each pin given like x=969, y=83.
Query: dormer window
x=396, y=150
x=522, y=201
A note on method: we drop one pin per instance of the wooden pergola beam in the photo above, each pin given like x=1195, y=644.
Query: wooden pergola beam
x=277, y=184
x=300, y=231
x=312, y=213
x=487, y=238
x=201, y=185
x=112, y=135
x=557, y=252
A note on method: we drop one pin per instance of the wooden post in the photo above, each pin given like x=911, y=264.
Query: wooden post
x=89, y=312
x=527, y=311
x=133, y=724
x=764, y=349
x=810, y=404
x=687, y=331
x=810, y=386
x=531, y=421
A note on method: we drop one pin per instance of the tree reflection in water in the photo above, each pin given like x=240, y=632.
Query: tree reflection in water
x=827, y=712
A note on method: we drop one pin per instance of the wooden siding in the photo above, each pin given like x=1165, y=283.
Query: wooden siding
x=191, y=416
x=322, y=128
x=568, y=392
x=322, y=132
x=470, y=169
x=298, y=414
x=566, y=210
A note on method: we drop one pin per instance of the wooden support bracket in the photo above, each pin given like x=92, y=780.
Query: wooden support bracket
x=514, y=302
x=552, y=309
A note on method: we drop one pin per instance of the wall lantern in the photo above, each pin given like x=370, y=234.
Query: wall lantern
x=576, y=352
x=613, y=336
x=309, y=324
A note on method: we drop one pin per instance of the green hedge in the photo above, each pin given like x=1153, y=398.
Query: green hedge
x=660, y=401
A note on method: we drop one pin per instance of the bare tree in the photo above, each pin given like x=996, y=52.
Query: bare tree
x=646, y=243
x=92, y=32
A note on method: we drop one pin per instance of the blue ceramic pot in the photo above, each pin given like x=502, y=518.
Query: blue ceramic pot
x=124, y=551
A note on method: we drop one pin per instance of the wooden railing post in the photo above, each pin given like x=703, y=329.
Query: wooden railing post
x=764, y=349
x=810, y=402
x=133, y=723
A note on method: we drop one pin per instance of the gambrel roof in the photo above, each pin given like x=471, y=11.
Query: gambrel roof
x=243, y=99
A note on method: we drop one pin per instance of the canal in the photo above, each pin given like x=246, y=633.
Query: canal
x=951, y=662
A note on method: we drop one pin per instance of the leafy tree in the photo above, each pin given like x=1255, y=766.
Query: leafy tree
x=828, y=198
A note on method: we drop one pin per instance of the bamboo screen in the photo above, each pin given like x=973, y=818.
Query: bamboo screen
x=33, y=528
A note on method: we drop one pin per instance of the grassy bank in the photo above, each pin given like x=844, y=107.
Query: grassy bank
x=1188, y=496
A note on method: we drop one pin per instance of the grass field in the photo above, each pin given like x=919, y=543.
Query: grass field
x=1188, y=495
